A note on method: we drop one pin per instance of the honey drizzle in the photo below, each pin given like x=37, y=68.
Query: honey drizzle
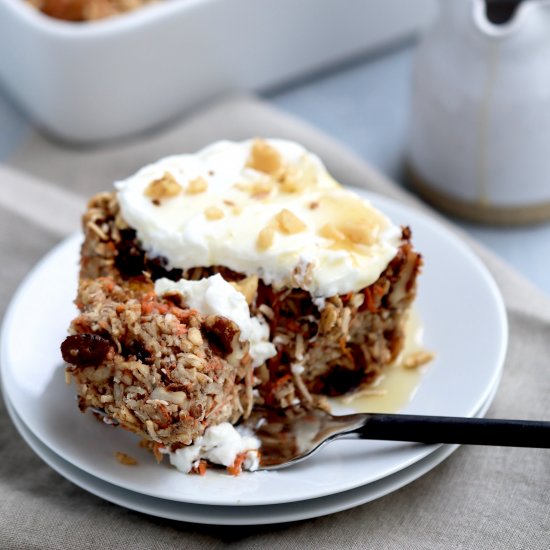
x=397, y=385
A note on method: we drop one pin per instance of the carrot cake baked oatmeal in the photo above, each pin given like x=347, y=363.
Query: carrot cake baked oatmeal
x=238, y=276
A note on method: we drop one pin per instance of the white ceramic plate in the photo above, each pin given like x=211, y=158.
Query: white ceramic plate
x=465, y=325
x=235, y=515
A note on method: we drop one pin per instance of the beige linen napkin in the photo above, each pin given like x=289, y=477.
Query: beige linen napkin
x=478, y=498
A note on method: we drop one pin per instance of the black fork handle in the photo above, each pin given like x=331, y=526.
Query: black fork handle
x=455, y=430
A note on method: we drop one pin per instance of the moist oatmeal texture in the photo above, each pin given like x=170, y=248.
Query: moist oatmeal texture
x=167, y=372
x=158, y=370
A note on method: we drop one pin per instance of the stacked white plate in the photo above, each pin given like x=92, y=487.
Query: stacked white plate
x=465, y=325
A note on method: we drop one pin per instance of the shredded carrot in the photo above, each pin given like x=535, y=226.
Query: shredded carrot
x=107, y=283
x=146, y=302
x=217, y=407
x=293, y=325
x=181, y=329
x=162, y=308
x=345, y=349
x=281, y=381
x=202, y=468
x=347, y=297
x=146, y=308
x=369, y=300
x=156, y=451
x=149, y=303
x=379, y=290
x=237, y=467
x=181, y=314
x=120, y=308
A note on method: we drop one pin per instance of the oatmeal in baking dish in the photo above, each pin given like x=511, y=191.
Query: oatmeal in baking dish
x=87, y=10
x=239, y=276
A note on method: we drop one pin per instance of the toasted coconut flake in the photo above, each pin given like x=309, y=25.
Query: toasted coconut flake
x=346, y=318
x=265, y=310
x=98, y=231
x=301, y=387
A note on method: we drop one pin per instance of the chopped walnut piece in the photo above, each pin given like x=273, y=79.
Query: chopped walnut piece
x=265, y=238
x=418, y=359
x=125, y=459
x=289, y=223
x=298, y=177
x=289, y=184
x=264, y=157
x=247, y=287
x=261, y=188
x=213, y=213
x=163, y=188
x=357, y=232
x=330, y=231
x=197, y=185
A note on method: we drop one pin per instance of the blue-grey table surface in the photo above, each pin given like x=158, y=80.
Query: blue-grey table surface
x=364, y=104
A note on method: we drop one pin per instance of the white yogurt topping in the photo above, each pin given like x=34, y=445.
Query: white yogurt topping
x=215, y=296
x=220, y=445
x=219, y=221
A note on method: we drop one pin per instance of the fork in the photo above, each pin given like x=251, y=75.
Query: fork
x=292, y=435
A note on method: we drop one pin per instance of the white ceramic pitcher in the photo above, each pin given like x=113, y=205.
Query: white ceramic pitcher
x=480, y=129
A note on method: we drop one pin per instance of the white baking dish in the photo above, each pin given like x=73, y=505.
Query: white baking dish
x=101, y=80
